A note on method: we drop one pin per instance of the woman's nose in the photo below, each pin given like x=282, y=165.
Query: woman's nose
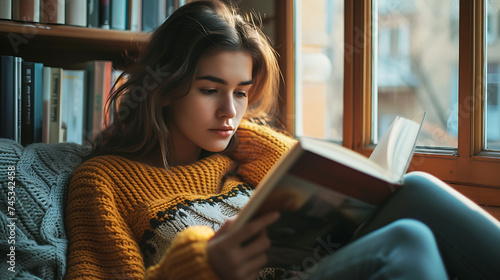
x=226, y=107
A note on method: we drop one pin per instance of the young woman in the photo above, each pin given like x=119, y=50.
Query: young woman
x=181, y=158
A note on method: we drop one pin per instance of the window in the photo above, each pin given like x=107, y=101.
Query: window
x=492, y=108
x=415, y=70
x=320, y=70
x=400, y=58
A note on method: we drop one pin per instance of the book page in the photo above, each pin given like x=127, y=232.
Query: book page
x=346, y=157
x=395, y=149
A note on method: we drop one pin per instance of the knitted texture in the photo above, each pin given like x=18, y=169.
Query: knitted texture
x=42, y=173
x=129, y=220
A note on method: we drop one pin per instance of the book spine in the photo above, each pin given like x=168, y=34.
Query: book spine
x=46, y=104
x=104, y=14
x=73, y=97
x=26, y=10
x=76, y=13
x=7, y=97
x=6, y=11
x=27, y=103
x=52, y=11
x=170, y=8
x=38, y=102
x=162, y=11
x=118, y=14
x=93, y=13
x=149, y=15
x=134, y=14
x=18, y=95
x=55, y=105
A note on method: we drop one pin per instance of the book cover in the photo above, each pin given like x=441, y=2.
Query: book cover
x=27, y=103
x=162, y=11
x=99, y=85
x=6, y=11
x=73, y=96
x=324, y=192
x=26, y=10
x=53, y=11
x=46, y=104
x=134, y=15
x=18, y=61
x=170, y=7
x=149, y=15
x=7, y=97
x=118, y=15
x=93, y=13
x=55, y=135
x=38, y=102
x=76, y=13
x=104, y=14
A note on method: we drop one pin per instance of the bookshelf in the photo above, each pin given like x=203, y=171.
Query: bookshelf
x=59, y=46
x=63, y=45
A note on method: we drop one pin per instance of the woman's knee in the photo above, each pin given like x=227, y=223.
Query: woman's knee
x=411, y=233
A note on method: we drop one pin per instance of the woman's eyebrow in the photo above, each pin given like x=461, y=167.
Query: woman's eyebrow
x=221, y=81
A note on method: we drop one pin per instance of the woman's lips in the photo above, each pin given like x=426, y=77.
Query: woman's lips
x=224, y=132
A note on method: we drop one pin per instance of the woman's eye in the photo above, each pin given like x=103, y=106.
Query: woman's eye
x=209, y=91
x=240, y=93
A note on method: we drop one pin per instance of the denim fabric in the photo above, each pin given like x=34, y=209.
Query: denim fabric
x=405, y=249
x=398, y=242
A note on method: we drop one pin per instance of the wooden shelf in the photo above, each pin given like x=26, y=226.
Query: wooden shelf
x=63, y=45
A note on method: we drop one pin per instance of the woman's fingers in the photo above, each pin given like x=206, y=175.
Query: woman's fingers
x=254, y=227
x=257, y=246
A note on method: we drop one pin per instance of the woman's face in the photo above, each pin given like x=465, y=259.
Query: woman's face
x=208, y=116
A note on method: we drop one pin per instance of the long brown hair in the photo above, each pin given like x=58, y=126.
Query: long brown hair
x=165, y=72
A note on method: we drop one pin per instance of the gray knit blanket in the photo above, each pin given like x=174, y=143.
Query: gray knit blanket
x=33, y=182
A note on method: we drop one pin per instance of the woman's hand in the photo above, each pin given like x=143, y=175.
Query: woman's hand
x=241, y=255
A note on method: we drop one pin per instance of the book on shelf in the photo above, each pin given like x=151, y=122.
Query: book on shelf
x=149, y=15
x=26, y=10
x=99, y=86
x=134, y=15
x=93, y=13
x=6, y=11
x=73, y=105
x=76, y=12
x=118, y=15
x=104, y=14
x=53, y=11
x=46, y=104
x=31, y=103
x=55, y=133
x=324, y=192
x=7, y=98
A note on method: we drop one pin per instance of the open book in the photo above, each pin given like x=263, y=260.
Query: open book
x=324, y=192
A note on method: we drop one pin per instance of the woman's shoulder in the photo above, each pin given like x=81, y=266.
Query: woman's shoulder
x=262, y=134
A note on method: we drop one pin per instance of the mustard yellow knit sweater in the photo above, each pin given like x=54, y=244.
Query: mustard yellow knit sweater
x=127, y=220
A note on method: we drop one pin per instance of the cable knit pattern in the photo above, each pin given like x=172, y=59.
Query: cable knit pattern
x=129, y=220
x=42, y=173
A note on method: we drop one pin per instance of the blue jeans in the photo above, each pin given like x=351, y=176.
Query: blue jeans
x=399, y=242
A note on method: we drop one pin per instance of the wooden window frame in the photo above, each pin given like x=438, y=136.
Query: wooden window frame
x=470, y=169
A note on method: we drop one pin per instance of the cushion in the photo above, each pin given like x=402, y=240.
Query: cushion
x=33, y=241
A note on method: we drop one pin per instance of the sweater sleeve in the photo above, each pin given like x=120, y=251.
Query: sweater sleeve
x=186, y=258
x=258, y=149
x=102, y=246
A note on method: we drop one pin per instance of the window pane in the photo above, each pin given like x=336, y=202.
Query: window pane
x=415, y=67
x=492, y=107
x=320, y=68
